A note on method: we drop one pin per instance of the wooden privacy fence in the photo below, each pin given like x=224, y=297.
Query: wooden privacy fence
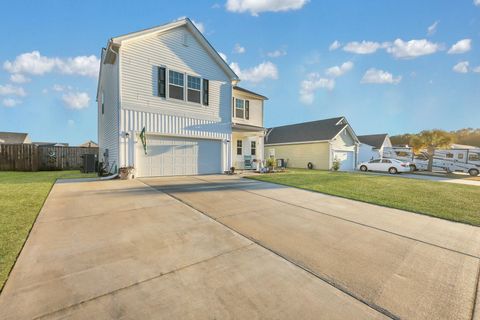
x=28, y=157
x=18, y=157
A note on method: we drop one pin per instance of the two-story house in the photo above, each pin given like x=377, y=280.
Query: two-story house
x=164, y=104
x=247, y=128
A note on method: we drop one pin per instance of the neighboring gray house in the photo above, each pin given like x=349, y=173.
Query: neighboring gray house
x=319, y=142
x=170, y=82
x=15, y=138
x=372, y=146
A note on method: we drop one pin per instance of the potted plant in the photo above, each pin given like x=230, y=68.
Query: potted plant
x=270, y=163
x=127, y=173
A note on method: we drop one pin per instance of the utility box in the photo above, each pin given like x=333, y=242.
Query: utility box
x=280, y=163
x=89, y=161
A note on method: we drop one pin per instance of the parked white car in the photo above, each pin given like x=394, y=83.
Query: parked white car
x=391, y=166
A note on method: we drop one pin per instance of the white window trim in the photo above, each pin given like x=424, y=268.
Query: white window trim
x=184, y=101
x=199, y=90
x=243, y=107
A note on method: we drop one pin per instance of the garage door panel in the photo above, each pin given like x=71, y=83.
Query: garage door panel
x=346, y=159
x=168, y=156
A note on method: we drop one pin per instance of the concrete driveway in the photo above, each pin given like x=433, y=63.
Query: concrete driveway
x=220, y=247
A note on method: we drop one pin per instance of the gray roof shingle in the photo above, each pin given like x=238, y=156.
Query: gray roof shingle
x=319, y=130
x=374, y=140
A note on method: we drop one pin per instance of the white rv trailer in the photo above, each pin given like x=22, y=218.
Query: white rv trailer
x=452, y=160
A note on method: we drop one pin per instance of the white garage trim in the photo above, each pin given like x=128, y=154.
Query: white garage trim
x=169, y=155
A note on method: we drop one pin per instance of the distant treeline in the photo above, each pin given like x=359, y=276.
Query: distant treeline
x=466, y=136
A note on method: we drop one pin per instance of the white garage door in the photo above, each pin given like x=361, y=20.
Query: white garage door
x=346, y=159
x=169, y=156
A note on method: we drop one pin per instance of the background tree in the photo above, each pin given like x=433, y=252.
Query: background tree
x=431, y=140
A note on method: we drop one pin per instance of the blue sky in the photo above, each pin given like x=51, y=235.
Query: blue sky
x=388, y=66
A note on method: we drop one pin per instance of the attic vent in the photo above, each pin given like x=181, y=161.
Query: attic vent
x=185, y=39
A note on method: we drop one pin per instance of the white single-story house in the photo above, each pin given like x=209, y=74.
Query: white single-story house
x=168, y=104
x=372, y=146
x=317, y=142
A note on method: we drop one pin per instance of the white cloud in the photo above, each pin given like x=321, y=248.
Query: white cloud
x=76, y=100
x=461, y=67
x=364, y=47
x=432, y=29
x=263, y=71
x=224, y=56
x=412, y=49
x=82, y=65
x=8, y=90
x=19, y=78
x=337, y=71
x=10, y=102
x=71, y=123
x=379, y=77
x=461, y=46
x=31, y=63
x=476, y=2
x=200, y=26
x=257, y=6
x=313, y=83
x=277, y=53
x=36, y=64
x=476, y=69
x=238, y=48
x=335, y=45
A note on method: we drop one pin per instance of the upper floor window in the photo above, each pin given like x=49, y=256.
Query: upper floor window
x=239, y=108
x=193, y=93
x=242, y=109
x=176, y=85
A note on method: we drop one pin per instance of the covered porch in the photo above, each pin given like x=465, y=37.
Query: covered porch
x=247, y=146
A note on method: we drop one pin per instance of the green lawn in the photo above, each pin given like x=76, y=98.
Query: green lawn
x=449, y=201
x=21, y=197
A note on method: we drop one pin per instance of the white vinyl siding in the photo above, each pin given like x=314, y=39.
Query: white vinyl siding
x=140, y=59
x=142, y=107
x=108, y=131
x=255, y=110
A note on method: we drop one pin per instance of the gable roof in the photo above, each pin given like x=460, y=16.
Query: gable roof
x=89, y=144
x=320, y=130
x=374, y=140
x=14, y=137
x=250, y=92
x=186, y=22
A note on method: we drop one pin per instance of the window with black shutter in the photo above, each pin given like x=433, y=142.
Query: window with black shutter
x=176, y=85
x=206, y=88
x=233, y=107
x=193, y=91
x=161, y=82
x=239, y=108
x=247, y=109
